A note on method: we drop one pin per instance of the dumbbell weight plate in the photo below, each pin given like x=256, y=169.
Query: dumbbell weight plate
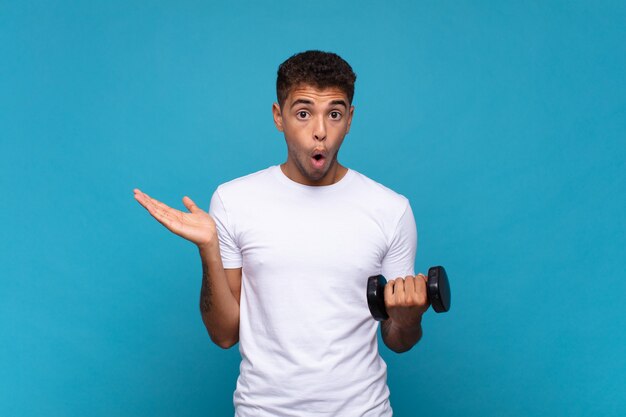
x=375, y=299
x=438, y=289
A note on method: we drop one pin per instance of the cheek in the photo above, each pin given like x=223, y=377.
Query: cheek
x=294, y=145
x=295, y=131
x=340, y=129
x=337, y=138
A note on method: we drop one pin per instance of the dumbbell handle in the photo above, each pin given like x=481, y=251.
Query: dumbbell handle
x=437, y=289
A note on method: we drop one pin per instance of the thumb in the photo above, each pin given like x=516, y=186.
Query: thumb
x=191, y=206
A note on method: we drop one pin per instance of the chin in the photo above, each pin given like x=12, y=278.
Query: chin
x=310, y=173
x=315, y=176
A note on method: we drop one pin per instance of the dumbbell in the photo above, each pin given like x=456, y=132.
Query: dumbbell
x=437, y=289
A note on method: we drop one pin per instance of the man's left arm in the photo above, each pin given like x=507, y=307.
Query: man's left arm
x=405, y=296
x=405, y=302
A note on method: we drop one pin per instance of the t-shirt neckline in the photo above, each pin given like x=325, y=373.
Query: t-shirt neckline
x=278, y=173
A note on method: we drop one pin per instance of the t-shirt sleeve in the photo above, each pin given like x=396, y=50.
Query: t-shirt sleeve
x=400, y=258
x=230, y=251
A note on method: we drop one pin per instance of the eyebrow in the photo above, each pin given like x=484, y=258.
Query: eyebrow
x=300, y=101
x=340, y=103
x=305, y=101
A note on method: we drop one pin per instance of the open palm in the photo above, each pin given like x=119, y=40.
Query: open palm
x=196, y=226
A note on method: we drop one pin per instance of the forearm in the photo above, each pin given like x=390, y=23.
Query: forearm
x=400, y=339
x=218, y=305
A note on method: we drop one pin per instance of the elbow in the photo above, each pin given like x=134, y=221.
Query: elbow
x=400, y=349
x=223, y=336
x=224, y=343
x=225, y=340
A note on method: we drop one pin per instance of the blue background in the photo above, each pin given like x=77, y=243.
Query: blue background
x=504, y=123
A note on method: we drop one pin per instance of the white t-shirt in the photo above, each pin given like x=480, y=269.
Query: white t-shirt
x=307, y=340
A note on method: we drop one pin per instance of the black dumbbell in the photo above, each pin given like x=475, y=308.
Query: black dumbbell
x=437, y=288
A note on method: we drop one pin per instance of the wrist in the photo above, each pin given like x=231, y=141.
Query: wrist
x=210, y=248
x=406, y=327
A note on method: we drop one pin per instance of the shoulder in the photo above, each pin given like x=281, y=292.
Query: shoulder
x=378, y=194
x=246, y=183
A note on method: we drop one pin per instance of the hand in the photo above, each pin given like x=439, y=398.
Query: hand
x=406, y=300
x=196, y=226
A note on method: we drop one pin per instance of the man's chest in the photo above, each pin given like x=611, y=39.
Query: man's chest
x=341, y=242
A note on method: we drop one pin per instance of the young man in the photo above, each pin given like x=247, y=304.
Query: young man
x=286, y=252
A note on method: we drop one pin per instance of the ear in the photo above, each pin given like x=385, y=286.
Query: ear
x=350, y=113
x=278, y=117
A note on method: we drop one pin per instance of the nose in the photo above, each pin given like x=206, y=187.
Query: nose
x=319, y=129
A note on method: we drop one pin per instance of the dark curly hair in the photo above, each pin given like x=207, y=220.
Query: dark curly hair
x=316, y=68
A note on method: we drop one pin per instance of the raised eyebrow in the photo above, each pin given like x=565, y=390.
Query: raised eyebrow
x=340, y=103
x=300, y=101
x=332, y=103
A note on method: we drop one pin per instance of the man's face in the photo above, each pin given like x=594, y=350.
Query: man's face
x=314, y=122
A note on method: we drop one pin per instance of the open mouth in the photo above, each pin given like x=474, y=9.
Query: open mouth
x=318, y=159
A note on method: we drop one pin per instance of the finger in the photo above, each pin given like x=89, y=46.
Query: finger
x=398, y=289
x=191, y=206
x=409, y=285
x=137, y=193
x=162, y=207
x=389, y=291
x=142, y=199
x=163, y=213
x=141, y=196
x=146, y=201
x=425, y=286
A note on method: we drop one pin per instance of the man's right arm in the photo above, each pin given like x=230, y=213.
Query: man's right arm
x=219, y=297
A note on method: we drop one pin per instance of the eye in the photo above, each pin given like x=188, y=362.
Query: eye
x=335, y=115
x=302, y=114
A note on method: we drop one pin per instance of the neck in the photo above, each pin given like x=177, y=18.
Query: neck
x=334, y=174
